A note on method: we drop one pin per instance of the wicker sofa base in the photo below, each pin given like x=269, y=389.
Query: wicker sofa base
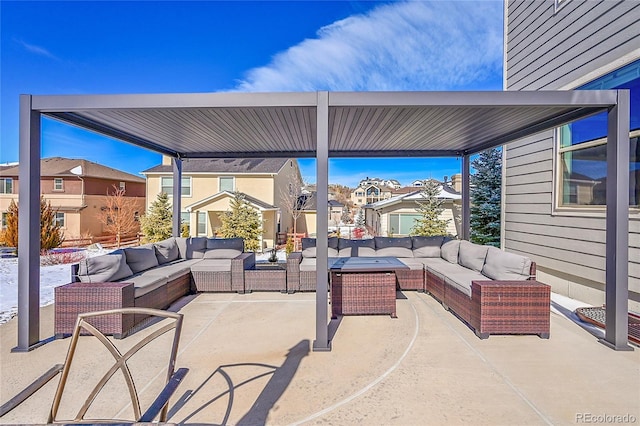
x=498, y=307
x=410, y=279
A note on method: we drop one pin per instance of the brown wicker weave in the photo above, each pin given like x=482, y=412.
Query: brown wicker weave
x=410, y=279
x=212, y=281
x=363, y=293
x=510, y=307
x=77, y=298
x=434, y=284
x=271, y=278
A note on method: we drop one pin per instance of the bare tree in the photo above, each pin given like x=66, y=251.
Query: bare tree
x=118, y=216
x=295, y=199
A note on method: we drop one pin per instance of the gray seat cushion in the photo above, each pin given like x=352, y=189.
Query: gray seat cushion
x=144, y=283
x=224, y=248
x=214, y=265
x=106, y=268
x=426, y=246
x=141, y=258
x=308, y=264
x=412, y=263
x=393, y=247
x=166, y=250
x=462, y=280
x=500, y=265
x=445, y=268
x=472, y=256
x=171, y=271
x=432, y=261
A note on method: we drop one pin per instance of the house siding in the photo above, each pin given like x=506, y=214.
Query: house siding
x=549, y=50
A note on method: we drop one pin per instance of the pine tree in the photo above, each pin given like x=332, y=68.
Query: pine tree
x=242, y=221
x=430, y=208
x=485, y=191
x=10, y=235
x=359, y=220
x=157, y=224
x=51, y=233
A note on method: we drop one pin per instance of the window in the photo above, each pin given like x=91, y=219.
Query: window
x=226, y=183
x=57, y=184
x=6, y=186
x=59, y=219
x=582, y=149
x=185, y=220
x=166, y=183
x=122, y=186
x=202, y=224
x=402, y=223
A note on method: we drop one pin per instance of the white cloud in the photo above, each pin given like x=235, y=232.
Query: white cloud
x=440, y=45
x=38, y=50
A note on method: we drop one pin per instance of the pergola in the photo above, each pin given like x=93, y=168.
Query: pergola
x=323, y=125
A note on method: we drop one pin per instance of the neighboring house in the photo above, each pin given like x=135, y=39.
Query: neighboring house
x=307, y=220
x=373, y=190
x=554, y=183
x=208, y=186
x=397, y=215
x=77, y=189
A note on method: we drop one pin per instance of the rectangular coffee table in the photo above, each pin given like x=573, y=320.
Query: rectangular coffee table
x=364, y=286
x=266, y=276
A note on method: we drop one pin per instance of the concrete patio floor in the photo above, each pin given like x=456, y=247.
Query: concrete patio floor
x=250, y=364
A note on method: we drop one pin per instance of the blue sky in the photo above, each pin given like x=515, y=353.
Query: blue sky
x=159, y=47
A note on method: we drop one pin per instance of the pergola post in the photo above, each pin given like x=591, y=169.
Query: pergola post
x=322, y=223
x=617, y=225
x=466, y=201
x=176, y=163
x=29, y=228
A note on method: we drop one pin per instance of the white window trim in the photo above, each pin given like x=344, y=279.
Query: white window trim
x=233, y=180
x=170, y=193
x=64, y=219
x=4, y=185
x=206, y=227
x=123, y=185
x=55, y=180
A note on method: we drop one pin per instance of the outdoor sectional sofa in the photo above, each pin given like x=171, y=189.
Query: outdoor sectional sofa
x=493, y=291
x=151, y=276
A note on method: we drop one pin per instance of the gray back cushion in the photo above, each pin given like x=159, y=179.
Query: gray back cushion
x=355, y=248
x=106, y=268
x=166, y=250
x=192, y=247
x=426, y=246
x=394, y=247
x=471, y=255
x=449, y=250
x=224, y=248
x=500, y=265
x=309, y=247
x=141, y=258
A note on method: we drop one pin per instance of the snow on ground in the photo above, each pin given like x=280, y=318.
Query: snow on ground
x=50, y=277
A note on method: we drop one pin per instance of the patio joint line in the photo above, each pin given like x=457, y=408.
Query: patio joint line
x=375, y=382
x=489, y=364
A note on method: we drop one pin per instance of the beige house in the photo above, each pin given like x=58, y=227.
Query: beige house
x=208, y=186
x=77, y=189
x=373, y=190
x=307, y=220
x=396, y=216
